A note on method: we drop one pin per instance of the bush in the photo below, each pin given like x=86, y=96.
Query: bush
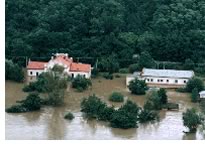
x=162, y=95
x=137, y=87
x=117, y=76
x=116, y=97
x=148, y=115
x=69, y=116
x=31, y=103
x=153, y=102
x=123, y=119
x=134, y=67
x=124, y=70
x=13, y=72
x=91, y=106
x=81, y=83
x=105, y=113
x=108, y=76
x=194, y=83
x=194, y=95
x=192, y=119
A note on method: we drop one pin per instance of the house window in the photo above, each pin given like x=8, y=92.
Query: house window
x=167, y=81
x=148, y=80
x=161, y=80
x=36, y=73
x=158, y=80
x=31, y=72
x=72, y=75
x=185, y=81
x=151, y=80
x=84, y=76
x=176, y=81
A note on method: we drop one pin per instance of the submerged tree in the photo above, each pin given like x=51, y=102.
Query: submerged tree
x=137, y=87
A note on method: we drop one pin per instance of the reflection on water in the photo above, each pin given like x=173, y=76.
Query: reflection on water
x=48, y=123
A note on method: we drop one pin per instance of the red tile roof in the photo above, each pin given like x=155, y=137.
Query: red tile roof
x=80, y=67
x=63, y=60
x=36, y=65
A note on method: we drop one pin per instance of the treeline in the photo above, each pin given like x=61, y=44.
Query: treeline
x=170, y=30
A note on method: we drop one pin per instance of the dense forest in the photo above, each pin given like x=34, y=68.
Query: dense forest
x=170, y=30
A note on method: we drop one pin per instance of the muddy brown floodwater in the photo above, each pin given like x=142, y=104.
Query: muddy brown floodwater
x=48, y=123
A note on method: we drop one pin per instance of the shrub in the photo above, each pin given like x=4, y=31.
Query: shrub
x=148, y=115
x=137, y=87
x=124, y=70
x=31, y=103
x=116, y=97
x=123, y=119
x=91, y=106
x=191, y=119
x=162, y=95
x=105, y=114
x=188, y=64
x=153, y=102
x=194, y=83
x=81, y=83
x=69, y=116
x=108, y=64
x=134, y=67
x=194, y=95
x=117, y=76
x=130, y=107
x=13, y=72
x=108, y=76
x=94, y=72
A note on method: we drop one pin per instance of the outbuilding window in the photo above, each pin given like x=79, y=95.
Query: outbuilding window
x=185, y=81
x=167, y=81
x=37, y=74
x=176, y=81
x=31, y=72
x=151, y=80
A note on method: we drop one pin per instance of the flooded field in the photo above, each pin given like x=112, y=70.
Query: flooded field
x=50, y=124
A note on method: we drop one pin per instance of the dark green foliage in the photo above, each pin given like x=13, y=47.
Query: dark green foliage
x=94, y=72
x=69, y=116
x=162, y=95
x=91, y=106
x=148, y=115
x=108, y=76
x=109, y=65
x=194, y=95
x=31, y=103
x=117, y=76
x=181, y=90
x=137, y=87
x=192, y=119
x=171, y=106
x=81, y=83
x=202, y=106
x=58, y=68
x=123, y=119
x=13, y=71
x=105, y=113
x=146, y=61
x=153, y=102
x=194, y=83
x=123, y=70
x=134, y=67
x=126, y=116
x=116, y=97
x=189, y=64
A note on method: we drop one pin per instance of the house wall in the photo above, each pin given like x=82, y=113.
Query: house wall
x=34, y=72
x=86, y=74
x=160, y=81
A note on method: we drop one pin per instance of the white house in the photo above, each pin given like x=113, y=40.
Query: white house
x=35, y=68
x=202, y=94
x=165, y=78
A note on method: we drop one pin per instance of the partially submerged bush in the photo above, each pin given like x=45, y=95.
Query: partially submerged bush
x=81, y=83
x=192, y=119
x=105, y=113
x=194, y=95
x=91, y=106
x=137, y=87
x=162, y=95
x=116, y=97
x=194, y=83
x=69, y=116
x=153, y=102
x=148, y=115
x=31, y=103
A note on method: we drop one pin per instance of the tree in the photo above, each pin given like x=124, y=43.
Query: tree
x=137, y=87
x=13, y=71
x=148, y=115
x=194, y=83
x=191, y=119
x=153, y=101
x=162, y=95
x=189, y=64
x=146, y=60
x=194, y=95
x=81, y=83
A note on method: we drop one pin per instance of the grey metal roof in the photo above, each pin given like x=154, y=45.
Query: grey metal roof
x=167, y=73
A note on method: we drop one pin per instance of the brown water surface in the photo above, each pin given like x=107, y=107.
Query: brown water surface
x=48, y=123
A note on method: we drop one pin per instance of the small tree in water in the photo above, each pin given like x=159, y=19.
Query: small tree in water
x=81, y=83
x=194, y=95
x=192, y=119
x=162, y=95
x=137, y=87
